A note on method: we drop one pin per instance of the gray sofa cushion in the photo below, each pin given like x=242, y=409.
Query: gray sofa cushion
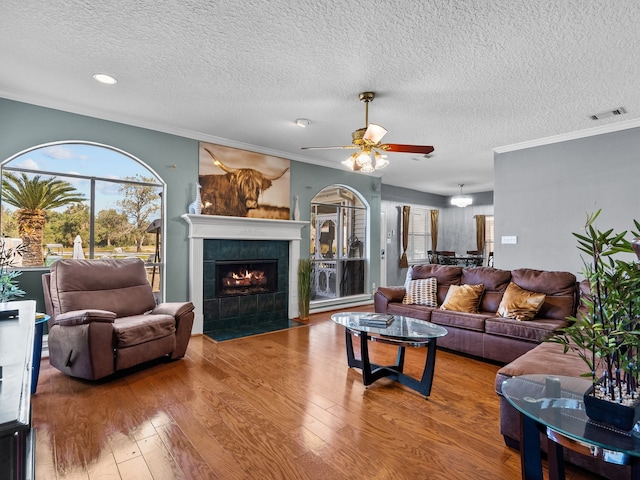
x=414, y=311
x=536, y=330
x=559, y=287
x=137, y=329
x=495, y=282
x=468, y=321
x=445, y=275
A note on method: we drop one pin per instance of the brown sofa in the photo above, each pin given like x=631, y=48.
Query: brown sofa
x=484, y=334
x=104, y=318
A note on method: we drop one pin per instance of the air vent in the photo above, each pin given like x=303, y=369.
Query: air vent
x=608, y=113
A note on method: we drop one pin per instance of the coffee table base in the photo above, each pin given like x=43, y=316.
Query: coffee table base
x=372, y=372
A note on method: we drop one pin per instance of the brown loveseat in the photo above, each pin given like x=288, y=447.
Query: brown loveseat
x=484, y=334
x=104, y=318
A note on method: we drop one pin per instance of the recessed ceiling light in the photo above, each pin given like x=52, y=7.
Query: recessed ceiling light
x=104, y=78
x=303, y=122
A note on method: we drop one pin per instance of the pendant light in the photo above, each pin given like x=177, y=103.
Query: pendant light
x=461, y=200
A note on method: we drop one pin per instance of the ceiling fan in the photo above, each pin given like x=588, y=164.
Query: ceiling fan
x=368, y=158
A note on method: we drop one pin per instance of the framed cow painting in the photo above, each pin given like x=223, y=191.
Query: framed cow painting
x=240, y=183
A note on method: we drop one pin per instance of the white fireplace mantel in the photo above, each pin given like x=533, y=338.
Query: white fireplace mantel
x=203, y=227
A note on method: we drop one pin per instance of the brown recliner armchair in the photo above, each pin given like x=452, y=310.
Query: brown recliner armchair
x=104, y=318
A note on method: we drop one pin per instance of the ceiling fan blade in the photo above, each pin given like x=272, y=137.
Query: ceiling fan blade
x=398, y=147
x=328, y=148
x=374, y=133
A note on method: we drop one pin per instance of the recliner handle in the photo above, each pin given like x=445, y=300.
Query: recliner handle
x=68, y=362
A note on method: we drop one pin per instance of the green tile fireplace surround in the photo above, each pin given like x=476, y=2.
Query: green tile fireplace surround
x=250, y=241
x=244, y=311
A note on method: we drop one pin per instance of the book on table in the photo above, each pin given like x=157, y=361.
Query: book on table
x=376, y=320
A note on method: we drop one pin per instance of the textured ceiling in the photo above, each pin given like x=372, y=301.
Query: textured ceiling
x=463, y=76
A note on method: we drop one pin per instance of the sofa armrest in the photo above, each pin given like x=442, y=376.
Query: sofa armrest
x=175, y=309
x=82, y=317
x=184, y=314
x=386, y=295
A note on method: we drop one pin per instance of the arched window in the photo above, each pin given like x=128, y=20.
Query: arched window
x=82, y=200
x=339, y=244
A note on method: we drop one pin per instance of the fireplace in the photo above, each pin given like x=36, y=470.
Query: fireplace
x=260, y=292
x=251, y=239
x=246, y=277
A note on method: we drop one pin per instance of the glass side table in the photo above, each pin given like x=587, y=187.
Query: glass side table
x=554, y=405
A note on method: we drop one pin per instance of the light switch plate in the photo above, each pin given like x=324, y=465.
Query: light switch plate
x=509, y=239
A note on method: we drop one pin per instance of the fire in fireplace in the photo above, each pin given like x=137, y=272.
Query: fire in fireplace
x=246, y=277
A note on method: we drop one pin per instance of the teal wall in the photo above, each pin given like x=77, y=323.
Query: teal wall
x=307, y=180
x=23, y=126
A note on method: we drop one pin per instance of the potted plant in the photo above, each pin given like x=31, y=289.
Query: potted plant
x=605, y=333
x=304, y=287
x=8, y=287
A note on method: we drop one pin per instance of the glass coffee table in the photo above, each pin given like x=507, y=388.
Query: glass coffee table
x=553, y=405
x=402, y=332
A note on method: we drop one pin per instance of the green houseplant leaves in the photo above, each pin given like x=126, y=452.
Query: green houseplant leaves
x=8, y=287
x=605, y=333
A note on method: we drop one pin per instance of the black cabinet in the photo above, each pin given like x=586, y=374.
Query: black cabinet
x=17, y=439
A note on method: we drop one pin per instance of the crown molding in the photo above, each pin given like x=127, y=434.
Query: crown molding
x=162, y=128
x=589, y=132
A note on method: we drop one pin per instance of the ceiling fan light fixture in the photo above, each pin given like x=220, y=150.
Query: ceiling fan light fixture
x=461, y=200
x=368, y=140
x=368, y=168
x=363, y=158
x=374, y=133
x=381, y=161
x=351, y=162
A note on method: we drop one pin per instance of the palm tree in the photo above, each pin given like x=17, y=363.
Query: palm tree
x=33, y=197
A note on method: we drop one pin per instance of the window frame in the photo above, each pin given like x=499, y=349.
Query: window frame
x=411, y=245
x=489, y=236
x=159, y=183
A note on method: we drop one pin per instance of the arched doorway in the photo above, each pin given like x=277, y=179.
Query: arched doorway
x=339, y=244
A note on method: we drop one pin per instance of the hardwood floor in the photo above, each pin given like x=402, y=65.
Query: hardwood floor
x=282, y=405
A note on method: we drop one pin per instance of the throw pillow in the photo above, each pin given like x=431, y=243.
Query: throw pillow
x=422, y=292
x=463, y=298
x=520, y=304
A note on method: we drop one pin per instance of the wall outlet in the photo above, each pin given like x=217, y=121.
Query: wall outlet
x=509, y=239
x=373, y=287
